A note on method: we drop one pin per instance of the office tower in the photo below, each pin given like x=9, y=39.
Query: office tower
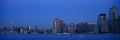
x=77, y=28
x=11, y=25
x=58, y=25
x=82, y=27
x=102, y=23
x=113, y=19
x=71, y=28
x=21, y=30
x=65, y=28
x=61, y=26
x=118, y=28
x=29, y=29
x=36, y=29
x=11, y=30
x=95, y=28
x=92, y=28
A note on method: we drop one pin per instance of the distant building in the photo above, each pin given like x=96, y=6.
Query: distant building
x=113, y=19
x=102, y=23
x=118, y=28
x=86, y=28
x=29, y=30
x=92, y=28
x=11, y=26
x=77, y=28
x=28, y=27
x=71, y=28
x=82, y=28
x=65, y=28
x=21, y=30
x=61, y=26
x=58, y=25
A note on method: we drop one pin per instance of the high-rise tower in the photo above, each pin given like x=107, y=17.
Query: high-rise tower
x=58, y=25
x=113, y=19
x=102, y=23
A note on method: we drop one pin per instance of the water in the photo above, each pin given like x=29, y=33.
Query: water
x=59, y=36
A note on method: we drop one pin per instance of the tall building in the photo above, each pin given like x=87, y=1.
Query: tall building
x=28, y=27
x=119, y=26
x=65, y=28
x=102, y=23
x=71, y=28
x=92, y=28
x=82, y=27
x=61, y=26
x=58, y=25
x=12, y=28
x=11, y=25
x=78, y=28
x=113, y=19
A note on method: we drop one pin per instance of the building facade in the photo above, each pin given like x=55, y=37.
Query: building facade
x=102, y=23
x=58, y=25
x=71, y=28
x=82, y=27
x=113, y=19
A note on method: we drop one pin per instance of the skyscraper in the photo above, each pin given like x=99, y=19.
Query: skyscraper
x=11, y=25
x=119, y=26
x=61, y=26
x=71, y=28
x=82, y=27
x=113, y=19
x=65, y=28
x=102, y=23
x=58, y=25
x=92, y=28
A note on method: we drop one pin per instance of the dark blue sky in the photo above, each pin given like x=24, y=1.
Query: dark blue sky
x=42, y=12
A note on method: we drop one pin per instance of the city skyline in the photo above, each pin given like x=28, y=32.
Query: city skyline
x=59, y=19
x=104, y=24
x=42, y=13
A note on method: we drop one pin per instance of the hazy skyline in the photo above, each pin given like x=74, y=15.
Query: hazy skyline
x=42, y=12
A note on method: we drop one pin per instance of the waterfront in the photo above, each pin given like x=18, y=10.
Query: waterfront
x=59, y=36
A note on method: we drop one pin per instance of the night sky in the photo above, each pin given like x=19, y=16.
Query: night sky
x=42, y=12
